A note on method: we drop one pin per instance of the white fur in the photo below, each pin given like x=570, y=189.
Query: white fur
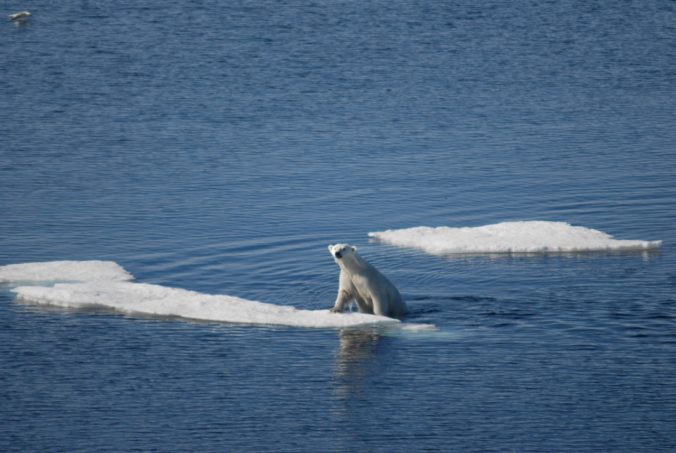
x=361, y=282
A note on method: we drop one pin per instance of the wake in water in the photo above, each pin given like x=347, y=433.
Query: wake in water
x=106, y=284
x=510, y=237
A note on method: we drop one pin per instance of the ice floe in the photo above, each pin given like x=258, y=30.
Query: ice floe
x=510, y=237
x=140, y=298
x=64, y=271
x=106, y=284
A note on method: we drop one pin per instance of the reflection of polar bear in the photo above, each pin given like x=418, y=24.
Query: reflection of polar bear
x=361, y=282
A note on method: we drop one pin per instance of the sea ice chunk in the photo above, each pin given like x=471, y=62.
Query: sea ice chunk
x=64, y=271
x=156, y=300
x=509, y=237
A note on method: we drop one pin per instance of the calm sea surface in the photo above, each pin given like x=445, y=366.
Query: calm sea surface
x=220, y=146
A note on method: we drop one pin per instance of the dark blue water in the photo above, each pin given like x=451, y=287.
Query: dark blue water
x=220, y=146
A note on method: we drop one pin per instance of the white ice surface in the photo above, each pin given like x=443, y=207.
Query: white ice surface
x=64, y=271
x=510, y=237
x=140, y=298
x=104, y=284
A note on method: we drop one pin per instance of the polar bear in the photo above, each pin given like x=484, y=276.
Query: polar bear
x=361, y=282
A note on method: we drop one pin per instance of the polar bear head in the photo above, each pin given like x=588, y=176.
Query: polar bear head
x=341, y=251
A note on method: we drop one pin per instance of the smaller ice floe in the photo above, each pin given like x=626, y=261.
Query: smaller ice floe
x=419, y=327
x=64, y=271
x=23, y=15
x=155, y=300
x=510, y=237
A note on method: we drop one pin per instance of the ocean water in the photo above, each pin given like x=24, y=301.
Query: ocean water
x=219, y=147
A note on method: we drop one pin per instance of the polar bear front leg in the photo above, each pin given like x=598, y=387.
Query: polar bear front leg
x=343, y=298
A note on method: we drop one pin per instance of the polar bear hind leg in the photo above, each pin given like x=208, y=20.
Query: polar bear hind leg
x=364, y=305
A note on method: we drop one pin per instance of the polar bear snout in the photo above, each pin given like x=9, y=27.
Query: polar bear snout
x=338, y=255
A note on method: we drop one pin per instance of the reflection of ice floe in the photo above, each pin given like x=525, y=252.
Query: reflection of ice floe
x=105, y=284
x=510, y=237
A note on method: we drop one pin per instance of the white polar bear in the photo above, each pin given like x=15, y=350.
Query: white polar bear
x=361, y=282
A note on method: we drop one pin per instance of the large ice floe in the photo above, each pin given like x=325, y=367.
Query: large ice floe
x=510, y=237
x=86, y=284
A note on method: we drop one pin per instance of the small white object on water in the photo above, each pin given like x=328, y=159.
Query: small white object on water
x=23, y=15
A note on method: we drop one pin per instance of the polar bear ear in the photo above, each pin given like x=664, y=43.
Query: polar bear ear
x=330, y=248
x=354, y=248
